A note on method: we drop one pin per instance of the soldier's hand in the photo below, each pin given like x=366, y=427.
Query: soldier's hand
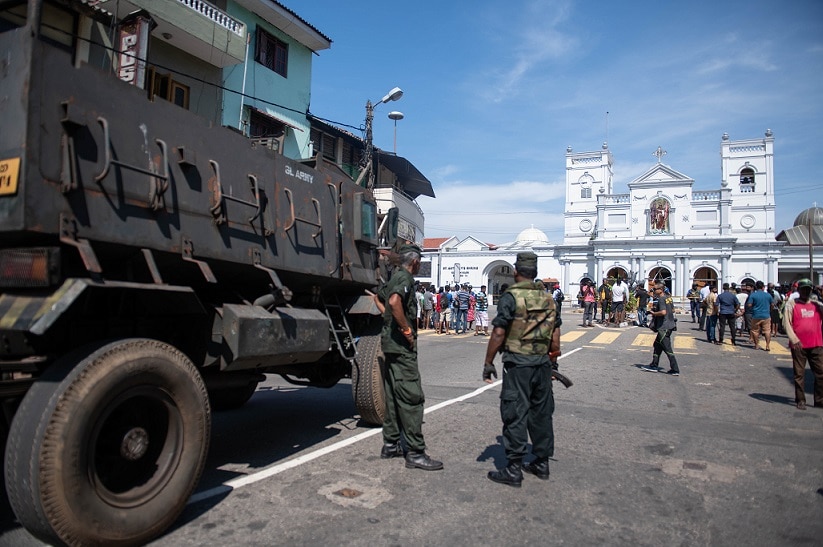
x=488, y=372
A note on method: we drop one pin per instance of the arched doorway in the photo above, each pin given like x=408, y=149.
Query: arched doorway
x=747, y=281
x=498, y=274
x=616, y=272
x=661, y=274
x=705, y=275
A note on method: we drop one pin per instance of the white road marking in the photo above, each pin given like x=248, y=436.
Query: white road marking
x=245, y=480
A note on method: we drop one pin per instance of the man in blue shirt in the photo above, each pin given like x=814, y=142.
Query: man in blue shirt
x=759, y=305
x=728, y=305
x=462, y=308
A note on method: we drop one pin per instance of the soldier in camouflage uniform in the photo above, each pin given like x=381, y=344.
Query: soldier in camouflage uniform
x=404, y=392
x=526, y=330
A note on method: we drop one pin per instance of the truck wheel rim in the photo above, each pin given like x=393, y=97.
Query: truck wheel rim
x=135, y=446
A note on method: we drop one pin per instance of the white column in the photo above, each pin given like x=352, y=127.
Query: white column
x=677, y=277
x=724, y=271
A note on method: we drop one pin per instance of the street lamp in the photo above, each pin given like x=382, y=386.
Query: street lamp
x=366, y=160
x=395, y=115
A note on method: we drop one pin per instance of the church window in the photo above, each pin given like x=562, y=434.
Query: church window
x=747, y=180
x=586, y=182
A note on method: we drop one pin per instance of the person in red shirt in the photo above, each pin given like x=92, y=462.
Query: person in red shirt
x=803, y=321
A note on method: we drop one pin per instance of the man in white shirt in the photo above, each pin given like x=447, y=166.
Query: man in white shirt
x=704, y=292
x=620, y=295
x=742, y=296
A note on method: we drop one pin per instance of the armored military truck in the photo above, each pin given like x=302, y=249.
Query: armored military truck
x=153, y=268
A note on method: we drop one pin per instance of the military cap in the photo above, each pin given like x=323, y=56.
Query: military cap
x=805, y=282
x=526, y=260
x=410, y=248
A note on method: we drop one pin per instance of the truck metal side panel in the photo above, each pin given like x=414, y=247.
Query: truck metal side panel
x=14, y=109
x=104, y=164
x=36, y=314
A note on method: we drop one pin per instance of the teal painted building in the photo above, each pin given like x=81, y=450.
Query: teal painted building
x=270, y=91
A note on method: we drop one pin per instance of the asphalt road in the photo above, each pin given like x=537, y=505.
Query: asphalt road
x=717, y=456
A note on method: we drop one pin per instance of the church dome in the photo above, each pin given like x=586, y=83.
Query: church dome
x=815, y=214
x=532, y=235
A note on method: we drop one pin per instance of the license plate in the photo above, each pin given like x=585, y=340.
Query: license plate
x=9, y=171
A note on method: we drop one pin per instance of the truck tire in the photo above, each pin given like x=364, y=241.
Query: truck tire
x=367, y=380
x=230, y=398
x=108, y=445
x=5, y=508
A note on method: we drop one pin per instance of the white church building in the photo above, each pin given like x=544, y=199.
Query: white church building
x=661, y=229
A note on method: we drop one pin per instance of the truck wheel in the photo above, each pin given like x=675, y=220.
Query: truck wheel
x=367, y=380
x=5, y=509
x=231, y=397
x=108, y=445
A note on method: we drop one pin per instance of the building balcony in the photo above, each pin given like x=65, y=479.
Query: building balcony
x=411, y=221
x=194, y=26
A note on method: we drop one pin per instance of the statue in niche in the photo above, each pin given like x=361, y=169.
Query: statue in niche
x=659, y=216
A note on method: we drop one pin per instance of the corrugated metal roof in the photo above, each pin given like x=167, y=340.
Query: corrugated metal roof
x=799, y=235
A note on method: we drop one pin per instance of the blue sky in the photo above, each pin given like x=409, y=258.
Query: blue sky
x=495, y=92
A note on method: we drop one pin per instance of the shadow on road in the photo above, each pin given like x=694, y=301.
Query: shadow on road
x=276, y=423
x=771, y=398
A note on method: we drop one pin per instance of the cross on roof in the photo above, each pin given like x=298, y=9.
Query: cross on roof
x=659, y=153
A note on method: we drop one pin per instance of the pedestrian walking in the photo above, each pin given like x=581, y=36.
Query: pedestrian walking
x=481, y=313
x=777, y=304
x=404, y=392
x=527, y=331
x=693, y=295
x=802, y=318
x=620, y=295
x=743, y=318
x=588, y=303
x=472, y=309
x=445, y=311
x=559, y=297
x=604, y=297
x=727, y=304
x=665, y=324
x=428, y=308
x=759, y=305
x=642, y=296
x=711, y=315
x=704, y=292
x=463, y=298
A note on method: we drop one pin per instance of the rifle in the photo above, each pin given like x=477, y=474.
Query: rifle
x=562, y=378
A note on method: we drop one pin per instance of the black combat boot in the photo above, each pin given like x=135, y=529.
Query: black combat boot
x=391, y=450
x=421, y=460
x=511, y=475
x=538, y=468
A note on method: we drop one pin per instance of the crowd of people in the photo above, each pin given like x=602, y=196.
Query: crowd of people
x=766, y=309
x=612, y=296
x=749, y=311
x=453, y=310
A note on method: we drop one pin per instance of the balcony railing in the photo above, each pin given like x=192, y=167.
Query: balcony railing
x=616, y=198
x=711, y=195
x=213, y=13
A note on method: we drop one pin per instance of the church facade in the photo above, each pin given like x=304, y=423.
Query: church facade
x=661, y=229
